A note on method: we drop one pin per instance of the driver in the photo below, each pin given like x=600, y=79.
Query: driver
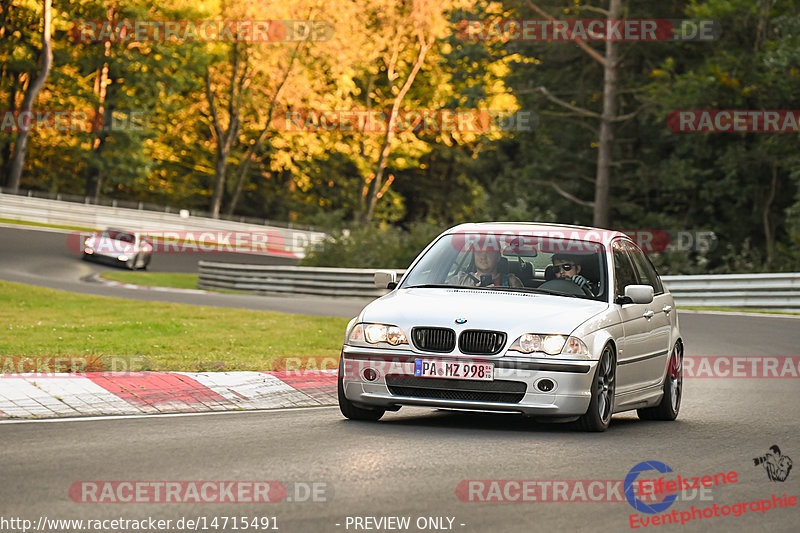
x=566, y=267
x=487, y=272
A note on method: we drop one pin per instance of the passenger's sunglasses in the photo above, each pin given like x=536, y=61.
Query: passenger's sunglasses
x=566, y=267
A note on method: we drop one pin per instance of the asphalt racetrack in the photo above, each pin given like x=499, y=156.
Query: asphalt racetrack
x=43, y=257
x=416, y=463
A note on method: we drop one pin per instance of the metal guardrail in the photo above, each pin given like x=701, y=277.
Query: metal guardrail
x=149, y=206
x=268, y=279
x=779, y=292
x=293, y=241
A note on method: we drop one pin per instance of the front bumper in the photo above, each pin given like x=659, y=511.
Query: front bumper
x=116, y=257
x=514, y=388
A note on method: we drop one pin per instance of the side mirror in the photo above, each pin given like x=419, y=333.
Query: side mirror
x=639, y=294
x=385, y=279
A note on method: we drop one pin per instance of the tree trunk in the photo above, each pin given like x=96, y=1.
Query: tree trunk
x=94, y=182
x=358, y=216
x=386, y=148
x=100, y=144
x=769, y=236
x=219, y=182
x=244, y=167
x=21, y=144
x=225, y=139
x=12, y=106
x=602, y=185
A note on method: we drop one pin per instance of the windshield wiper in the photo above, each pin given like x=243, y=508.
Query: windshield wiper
x=533, y=289
x=491, y=288
x=434, y=286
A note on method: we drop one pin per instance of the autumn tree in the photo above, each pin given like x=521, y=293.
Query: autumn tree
x=21, y=143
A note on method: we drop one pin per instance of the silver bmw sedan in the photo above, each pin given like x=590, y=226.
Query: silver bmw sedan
x=571, y=323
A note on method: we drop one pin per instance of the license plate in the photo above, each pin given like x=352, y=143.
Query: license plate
x=432, y=368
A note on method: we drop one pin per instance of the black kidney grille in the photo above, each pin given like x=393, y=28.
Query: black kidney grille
x=481, y=342
x=440, y=340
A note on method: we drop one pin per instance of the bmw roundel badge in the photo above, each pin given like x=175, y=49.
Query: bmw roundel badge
x=461, y=320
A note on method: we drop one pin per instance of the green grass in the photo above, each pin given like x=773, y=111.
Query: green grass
x=43, y=225
x=735, y=310
x=138, y=335
x=154, y=279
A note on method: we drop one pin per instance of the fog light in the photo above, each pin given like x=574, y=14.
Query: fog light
x=546, y=385
x=370, y=374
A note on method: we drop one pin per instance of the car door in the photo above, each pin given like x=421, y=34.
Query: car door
x=634, y=345
x=659, y=321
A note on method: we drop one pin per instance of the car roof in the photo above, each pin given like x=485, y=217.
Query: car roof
x=566, y=231
x=119, y=231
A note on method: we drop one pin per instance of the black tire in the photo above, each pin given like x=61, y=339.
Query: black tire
x=132, y=263
x=351, y=411
x=670, y=403
x=601, y=406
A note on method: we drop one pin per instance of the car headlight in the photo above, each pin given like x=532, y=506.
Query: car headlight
x=550, y=345
x=534, y=342
x=376, y=334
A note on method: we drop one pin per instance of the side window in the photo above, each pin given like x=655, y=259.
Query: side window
x=623, y=269
x=647, y=274
x=659, y=284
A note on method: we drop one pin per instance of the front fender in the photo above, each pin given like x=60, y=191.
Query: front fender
x=348, y=328
x=598, y=341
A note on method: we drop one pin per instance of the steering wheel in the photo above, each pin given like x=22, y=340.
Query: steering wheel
x=566, y=286
x=471, y=276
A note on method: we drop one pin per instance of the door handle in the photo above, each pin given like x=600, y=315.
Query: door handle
x=648, y=314
x=667, y=309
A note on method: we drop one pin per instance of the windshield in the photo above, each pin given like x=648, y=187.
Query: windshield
x=119, y=235
x=505, y=262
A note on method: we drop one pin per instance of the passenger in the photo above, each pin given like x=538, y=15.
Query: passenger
x=566, y=267
x=488, y=273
